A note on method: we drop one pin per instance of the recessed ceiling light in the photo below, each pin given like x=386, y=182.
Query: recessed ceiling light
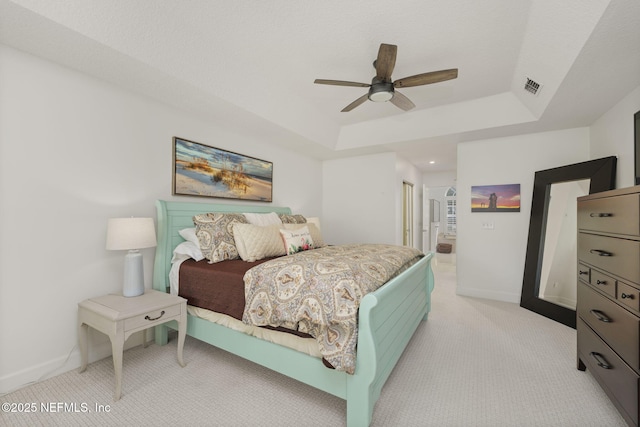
x=432, y=162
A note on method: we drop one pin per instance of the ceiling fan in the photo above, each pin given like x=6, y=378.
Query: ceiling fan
x=382, y=88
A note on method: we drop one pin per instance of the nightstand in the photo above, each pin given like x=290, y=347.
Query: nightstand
x=119, y=317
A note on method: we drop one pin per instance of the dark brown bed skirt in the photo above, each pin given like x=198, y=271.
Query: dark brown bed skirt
x=219, y=287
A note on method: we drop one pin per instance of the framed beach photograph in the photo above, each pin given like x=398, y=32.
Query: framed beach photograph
x=201, y=170
x=495, y=198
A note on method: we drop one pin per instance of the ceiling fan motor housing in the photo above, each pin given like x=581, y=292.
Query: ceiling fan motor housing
x=381, y=91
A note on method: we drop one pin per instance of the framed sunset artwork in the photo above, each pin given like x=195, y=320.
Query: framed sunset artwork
x=495, y=198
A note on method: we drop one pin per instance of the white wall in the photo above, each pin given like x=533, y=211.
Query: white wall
x=439, y=179
x=358, y=195
x=490, y=263
x=75, y=151
x=362, y=199
x=612, y=134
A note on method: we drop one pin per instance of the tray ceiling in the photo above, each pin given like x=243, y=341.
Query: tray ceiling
x=252, y=64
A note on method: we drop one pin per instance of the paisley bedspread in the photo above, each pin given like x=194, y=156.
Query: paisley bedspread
x=319, y=291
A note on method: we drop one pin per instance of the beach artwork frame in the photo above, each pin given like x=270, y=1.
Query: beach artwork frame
x=204, y=171
x=495, y=198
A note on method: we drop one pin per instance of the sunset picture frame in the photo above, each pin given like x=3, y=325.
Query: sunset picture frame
x=495, y=198
x=204, y=171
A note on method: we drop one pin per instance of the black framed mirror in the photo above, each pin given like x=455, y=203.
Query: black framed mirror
x=601, y=175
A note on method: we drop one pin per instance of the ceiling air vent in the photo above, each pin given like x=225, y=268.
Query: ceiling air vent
x=532, y=86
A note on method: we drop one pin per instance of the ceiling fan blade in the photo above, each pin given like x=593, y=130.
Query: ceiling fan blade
x=401, y=101
x=355, y=103
x=386, y=61
x=427, y=78
x=340, y=83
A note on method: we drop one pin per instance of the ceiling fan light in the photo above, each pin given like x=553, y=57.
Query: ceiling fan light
x=380, y=96
x=381, y=92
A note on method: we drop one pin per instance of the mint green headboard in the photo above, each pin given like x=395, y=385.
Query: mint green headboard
x=174, y=216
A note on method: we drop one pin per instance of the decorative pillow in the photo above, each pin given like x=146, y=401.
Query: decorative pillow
x=189, y=234
x=263, y=218
x=189, y=249
x=297, y=240
x=314, y=220
x=255, y=242
x=316, y=235
x=215, y=235
x=292, y=219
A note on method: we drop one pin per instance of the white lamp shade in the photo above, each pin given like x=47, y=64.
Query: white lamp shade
x=130, y=233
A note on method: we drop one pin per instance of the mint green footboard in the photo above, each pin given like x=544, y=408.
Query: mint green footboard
x=388, y=318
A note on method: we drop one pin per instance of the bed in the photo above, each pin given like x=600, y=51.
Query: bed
x=387, y=319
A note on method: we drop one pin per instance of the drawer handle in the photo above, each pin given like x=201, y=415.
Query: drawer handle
x=600, y=360
x=601, y=316
x=600, y=215
x=627, y=296
x=600, y=252
x=601, y=282
x=154, y=318
x=583, y=272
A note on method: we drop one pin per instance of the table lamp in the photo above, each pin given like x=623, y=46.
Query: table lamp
x=131, y=234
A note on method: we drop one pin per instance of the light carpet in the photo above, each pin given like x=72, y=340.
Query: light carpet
x=475, y=362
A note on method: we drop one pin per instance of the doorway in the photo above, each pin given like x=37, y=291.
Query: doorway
x=407, y=214
x=439, y=217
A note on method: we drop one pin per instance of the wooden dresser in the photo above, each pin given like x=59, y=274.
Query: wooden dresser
x=608, y=312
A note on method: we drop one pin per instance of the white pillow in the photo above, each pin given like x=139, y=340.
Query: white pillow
x=314, y=220
x=189, y=234
x=256, y=242
x=296, y=240
x=316, y=235
x=263, y=218
x=189, y=249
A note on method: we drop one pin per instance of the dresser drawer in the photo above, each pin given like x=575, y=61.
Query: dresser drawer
x=603, y=283
x=618, y=380
x=152, y=317
x=619, y=328
x=629, y=296
x=618, y=256
x=584, y=273
x=618, y=214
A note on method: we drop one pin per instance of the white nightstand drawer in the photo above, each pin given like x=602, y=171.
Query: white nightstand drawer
x=151, y=318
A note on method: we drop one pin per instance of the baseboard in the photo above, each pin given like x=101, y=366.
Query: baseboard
x=562, y=301
x=52, y=368
x=62, y=364
x=492, y=295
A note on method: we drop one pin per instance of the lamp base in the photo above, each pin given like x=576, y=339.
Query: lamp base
x=133, y=275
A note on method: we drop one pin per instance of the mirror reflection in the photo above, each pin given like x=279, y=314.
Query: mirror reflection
x=557, y=282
